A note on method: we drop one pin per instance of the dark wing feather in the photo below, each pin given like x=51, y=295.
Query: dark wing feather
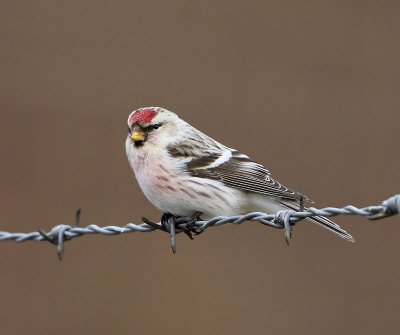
x=239, y=171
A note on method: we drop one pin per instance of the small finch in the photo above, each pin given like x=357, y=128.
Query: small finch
x=182, y=171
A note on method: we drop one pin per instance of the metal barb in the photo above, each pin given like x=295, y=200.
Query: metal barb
x=153, y=224
x=301, y=203
x=168, y=223
x=378, y=216
x=172, y=234
x=78, y=217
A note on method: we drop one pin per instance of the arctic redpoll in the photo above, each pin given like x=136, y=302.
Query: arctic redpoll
x=182, y=171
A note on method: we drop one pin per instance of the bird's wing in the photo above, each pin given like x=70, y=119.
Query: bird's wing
x=234, y=170
x=239, y=171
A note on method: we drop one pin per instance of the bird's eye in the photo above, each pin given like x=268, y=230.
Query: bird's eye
x=154, y=126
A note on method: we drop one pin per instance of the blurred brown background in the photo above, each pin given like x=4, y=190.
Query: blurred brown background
x=313, y=86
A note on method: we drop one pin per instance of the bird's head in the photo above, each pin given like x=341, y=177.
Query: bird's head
x=153, y=125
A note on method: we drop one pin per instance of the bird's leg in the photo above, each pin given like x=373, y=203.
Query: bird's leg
x=191, y=228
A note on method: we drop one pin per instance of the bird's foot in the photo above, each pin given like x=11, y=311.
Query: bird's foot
x=168, y=224
x=191, y=229
x=167, y=219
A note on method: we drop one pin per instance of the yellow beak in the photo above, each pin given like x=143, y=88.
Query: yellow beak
x=138, y=135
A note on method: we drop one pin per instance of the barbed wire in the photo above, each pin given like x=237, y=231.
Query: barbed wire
x=285, y=219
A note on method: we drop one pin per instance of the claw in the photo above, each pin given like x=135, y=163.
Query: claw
x=191, y=228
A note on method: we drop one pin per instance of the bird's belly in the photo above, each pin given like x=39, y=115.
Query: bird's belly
x=184, y=195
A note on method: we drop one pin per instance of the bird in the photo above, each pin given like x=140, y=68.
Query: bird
x=185, y=173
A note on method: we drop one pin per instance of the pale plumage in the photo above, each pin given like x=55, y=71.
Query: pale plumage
x=181, y=171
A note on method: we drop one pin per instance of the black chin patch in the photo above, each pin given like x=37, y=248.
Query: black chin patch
x=138, y=143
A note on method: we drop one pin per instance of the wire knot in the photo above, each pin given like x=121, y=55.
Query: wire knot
x=57, y=237
x=392, y=205
x=282, y=218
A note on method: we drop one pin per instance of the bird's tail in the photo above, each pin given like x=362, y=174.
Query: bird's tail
x=333, y=227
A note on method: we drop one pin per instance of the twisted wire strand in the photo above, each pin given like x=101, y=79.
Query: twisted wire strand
x=280, y=220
